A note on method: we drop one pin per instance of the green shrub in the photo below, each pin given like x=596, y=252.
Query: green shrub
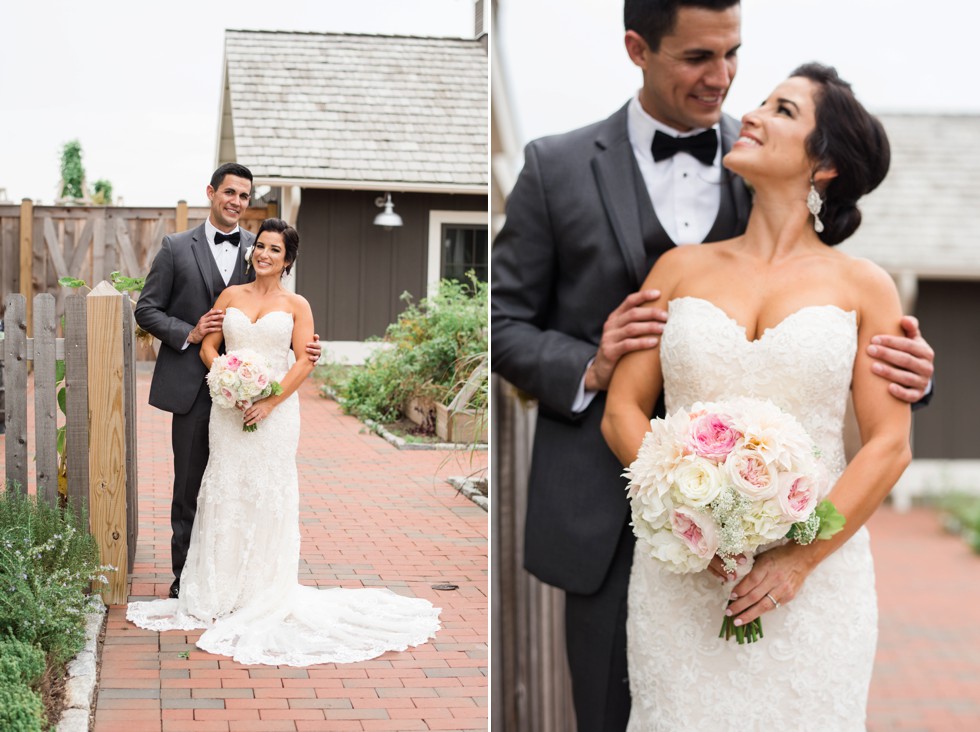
x=962, y=516
x=434, y=346
x=20, y=663
x=21, y=709
x=47, y=564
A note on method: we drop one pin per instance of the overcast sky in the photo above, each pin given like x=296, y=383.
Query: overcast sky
x=566, y=65
x=138, y=83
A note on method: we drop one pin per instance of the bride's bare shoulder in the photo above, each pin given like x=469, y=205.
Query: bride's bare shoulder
x=299, y=305
x=871, y=287
x=688, y=259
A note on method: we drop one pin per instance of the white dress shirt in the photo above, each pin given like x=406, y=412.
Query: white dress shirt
x=225, y=254
x=685, y=193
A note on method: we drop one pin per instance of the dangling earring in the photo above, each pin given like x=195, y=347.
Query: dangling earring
x=814, y=203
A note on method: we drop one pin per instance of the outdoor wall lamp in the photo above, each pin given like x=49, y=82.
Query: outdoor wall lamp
x=387, y=218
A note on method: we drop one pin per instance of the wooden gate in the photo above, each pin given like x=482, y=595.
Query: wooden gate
x=100, y=414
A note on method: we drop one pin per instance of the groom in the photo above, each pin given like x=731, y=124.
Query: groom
x=188, y=273
x=589, y=215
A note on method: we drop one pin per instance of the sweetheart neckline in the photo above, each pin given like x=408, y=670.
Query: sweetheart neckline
x=253, y=322
x=770, y=329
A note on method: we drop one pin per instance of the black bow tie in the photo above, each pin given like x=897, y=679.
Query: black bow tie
x=233, y=237
x=702, y=146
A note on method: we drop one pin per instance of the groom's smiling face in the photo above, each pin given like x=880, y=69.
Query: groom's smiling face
x=686, y=79
x=229, y=201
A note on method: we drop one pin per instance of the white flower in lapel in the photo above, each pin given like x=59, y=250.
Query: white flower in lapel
x=248, y=257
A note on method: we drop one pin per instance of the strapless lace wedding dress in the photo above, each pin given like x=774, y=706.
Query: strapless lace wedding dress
x=240, y=579
x=813, y=668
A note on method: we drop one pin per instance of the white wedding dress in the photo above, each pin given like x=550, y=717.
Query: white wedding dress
x=240, y=580
x=812, y=669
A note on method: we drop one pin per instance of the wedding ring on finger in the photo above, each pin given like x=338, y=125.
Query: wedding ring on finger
x=775, y=602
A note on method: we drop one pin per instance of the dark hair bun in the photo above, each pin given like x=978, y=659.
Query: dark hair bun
x=850, y=140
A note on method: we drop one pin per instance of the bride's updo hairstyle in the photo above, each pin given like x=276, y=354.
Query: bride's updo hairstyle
x=289, y=237
x=851, y=140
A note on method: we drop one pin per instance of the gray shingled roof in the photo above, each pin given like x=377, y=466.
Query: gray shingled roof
x=925, y=216
x=362, y=108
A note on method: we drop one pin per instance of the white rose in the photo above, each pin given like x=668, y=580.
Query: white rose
x=697, y=482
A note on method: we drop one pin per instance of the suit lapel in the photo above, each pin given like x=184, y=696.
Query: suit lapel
x=612, y=167
x=205, y=262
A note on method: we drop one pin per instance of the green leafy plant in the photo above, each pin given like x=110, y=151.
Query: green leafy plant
x=433, y=347
x=48, y=561
x=22, y=666
x=961, y=515
x=72, y=171
x=102, y=192
x=21, y=709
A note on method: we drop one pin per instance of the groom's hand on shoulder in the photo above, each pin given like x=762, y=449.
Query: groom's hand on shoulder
x=906, y=361
x=632, y=326
x=209, y=323
x=314, y=348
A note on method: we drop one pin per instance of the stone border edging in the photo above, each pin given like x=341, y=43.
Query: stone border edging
x=468, y=488
x=403, y=444
x=82, y=674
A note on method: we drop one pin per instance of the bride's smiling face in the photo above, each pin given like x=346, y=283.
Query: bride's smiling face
x=772, y=142
x=269, y=254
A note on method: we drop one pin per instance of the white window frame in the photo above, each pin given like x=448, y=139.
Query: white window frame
x=438, y=219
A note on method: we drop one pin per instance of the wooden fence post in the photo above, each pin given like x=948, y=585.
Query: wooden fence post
x=15, y=383
x=107, y=439
x=76, y=382
x=129, y=415
x=45, y=402
x=180, y=216
x=27, y=255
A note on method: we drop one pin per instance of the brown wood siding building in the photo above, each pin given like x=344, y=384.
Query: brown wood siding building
x=948, y=428
x=354, y=272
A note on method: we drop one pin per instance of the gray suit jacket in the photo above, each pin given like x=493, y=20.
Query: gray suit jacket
x=571, y=249
x=182, y=285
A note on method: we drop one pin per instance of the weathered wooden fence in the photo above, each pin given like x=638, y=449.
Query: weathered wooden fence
x=532, y=688
x=40, y=244
x=100, y=420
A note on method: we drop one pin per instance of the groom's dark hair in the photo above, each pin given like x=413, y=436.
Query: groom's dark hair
x=290, y=237
x=239, y=171
x=654, y=19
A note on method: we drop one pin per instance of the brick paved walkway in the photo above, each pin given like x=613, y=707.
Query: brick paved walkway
x=927, y=671
x=371, y=515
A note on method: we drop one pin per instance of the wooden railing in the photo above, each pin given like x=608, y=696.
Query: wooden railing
x=100, y=414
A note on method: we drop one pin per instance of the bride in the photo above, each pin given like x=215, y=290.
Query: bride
x=240, y=581
x=777, y=314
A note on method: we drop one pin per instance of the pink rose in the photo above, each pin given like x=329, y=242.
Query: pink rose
x=262, y=381
x=245, y=373
x=751, y=475
x=696, y=530
x=228, y=394
x=797, y=496
x=232, y=362
x=713, y=437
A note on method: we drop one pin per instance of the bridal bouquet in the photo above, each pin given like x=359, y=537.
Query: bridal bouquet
x=238, y=379
x=726, y=478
